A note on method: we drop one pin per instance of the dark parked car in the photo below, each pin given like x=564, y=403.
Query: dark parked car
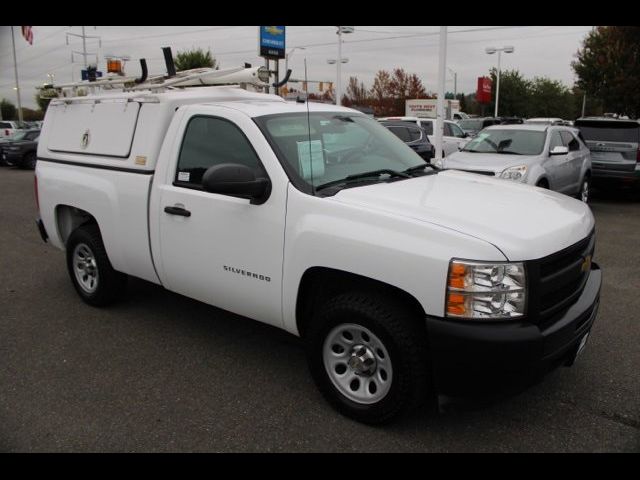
x=414, y=136
x=615, y=147
x=472, y=126
x=21, y=149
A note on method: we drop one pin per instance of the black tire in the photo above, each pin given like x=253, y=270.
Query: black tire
x=405, y=339
x=110, y=284
x=29, y=161
x=584, y=184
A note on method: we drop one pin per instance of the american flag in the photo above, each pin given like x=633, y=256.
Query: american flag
x=27, y=33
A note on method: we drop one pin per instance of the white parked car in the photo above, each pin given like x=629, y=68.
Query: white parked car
x=551, y=157
x=453, y=139
x=10, y=127
x=403, y=281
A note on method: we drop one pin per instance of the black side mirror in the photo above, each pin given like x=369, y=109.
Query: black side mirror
x=238, y=181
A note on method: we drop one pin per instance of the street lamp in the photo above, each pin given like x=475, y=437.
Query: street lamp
x=491, y=51
x=339, y=63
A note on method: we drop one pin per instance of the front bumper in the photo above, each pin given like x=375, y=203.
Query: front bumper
x=12, y=158
x=479, y=357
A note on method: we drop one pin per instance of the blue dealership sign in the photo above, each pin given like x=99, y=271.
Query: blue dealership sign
x=272, y=44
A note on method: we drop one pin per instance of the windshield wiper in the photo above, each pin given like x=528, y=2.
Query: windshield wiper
x=363, y=175
x=417, y=168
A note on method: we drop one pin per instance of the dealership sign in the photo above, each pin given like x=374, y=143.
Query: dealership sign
x=272, y=43
x=483, y=93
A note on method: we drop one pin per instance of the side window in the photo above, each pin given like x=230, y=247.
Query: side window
x=414, y=134
x=570, y=141
x=32, y=135
x=5, y=125
x=210, y=141
x=555, y=141
x=447, y=130
x=401, y=132
x=457, y=131
x=428, y=126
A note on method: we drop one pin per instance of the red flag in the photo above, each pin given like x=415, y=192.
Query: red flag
x=27, y=33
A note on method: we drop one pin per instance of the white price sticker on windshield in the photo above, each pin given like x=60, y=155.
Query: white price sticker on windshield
x=310, y=159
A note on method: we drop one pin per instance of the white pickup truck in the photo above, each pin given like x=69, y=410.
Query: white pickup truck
x=404, y=281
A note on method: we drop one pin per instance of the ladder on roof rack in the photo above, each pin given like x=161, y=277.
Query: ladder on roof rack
x=258, y=76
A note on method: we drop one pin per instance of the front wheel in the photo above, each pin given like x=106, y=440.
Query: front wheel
x=91, y=273
x=29, y=161
x=368, y=356
x=584, y=192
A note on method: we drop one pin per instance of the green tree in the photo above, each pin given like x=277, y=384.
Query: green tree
x=195, y=58
x=550, y=98
x=9, y=110
x=515, y=92
x=608, y=68
x=44, y=100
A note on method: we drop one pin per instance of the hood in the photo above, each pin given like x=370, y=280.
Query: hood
x=492, y=162
x=523, y=222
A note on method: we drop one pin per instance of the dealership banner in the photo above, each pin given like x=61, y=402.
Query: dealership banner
x=483, y=93
x=272, y=42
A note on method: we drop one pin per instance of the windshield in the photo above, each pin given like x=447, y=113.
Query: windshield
x=470, y=124
x=18, y=135
x=519, y=142
x=337, y=145
x=610, y=131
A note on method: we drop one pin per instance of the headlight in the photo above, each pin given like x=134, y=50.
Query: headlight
x=514, y=173
x=485, y=290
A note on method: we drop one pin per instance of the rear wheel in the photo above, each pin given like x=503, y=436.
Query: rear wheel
x=368, y=356
x=91, y=273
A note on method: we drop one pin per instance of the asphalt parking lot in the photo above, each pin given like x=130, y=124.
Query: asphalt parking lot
x=160, y=372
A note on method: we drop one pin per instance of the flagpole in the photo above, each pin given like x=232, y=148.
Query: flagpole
x=15, y=66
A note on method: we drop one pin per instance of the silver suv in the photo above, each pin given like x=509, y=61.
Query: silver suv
x=614, y=145
x=553, y=157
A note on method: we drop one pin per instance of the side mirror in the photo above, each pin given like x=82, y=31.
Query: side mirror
x=559, y=151
x=238, y=181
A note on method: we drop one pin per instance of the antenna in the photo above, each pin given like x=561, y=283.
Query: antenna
x=313, y=187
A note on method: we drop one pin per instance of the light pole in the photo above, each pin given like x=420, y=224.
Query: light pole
x=339, y=63
x=491, y=51
x=332, y=61
x=455, y=83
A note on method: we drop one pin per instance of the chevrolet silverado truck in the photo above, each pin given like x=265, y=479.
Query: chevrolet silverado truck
x=404, y=281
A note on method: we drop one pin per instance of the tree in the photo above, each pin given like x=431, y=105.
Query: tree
x=43, y=99
x=357, y=94
x=608, y=68
x=514, y=94
x=195, y=58
x=550, y=98
x=9, y=111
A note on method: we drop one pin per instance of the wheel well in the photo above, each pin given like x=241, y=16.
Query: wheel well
x=321, y=283
x=69, y=218
x=587, y=174
x=542, y=182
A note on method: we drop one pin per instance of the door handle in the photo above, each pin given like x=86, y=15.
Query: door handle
x=177, y=211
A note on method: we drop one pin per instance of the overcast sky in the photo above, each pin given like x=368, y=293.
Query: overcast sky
x=539, y=51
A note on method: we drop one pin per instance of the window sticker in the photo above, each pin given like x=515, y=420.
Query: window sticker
x=310, y=159
x=184, y=176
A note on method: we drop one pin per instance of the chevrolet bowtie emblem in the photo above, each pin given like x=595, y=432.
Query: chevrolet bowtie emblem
x=586, y=264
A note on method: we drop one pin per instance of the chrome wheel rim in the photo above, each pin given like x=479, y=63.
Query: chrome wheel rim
x=584, y=192
x=358, y=363
x=85, y=268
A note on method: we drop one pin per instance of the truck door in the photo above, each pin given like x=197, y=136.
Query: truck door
x=216, y=248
